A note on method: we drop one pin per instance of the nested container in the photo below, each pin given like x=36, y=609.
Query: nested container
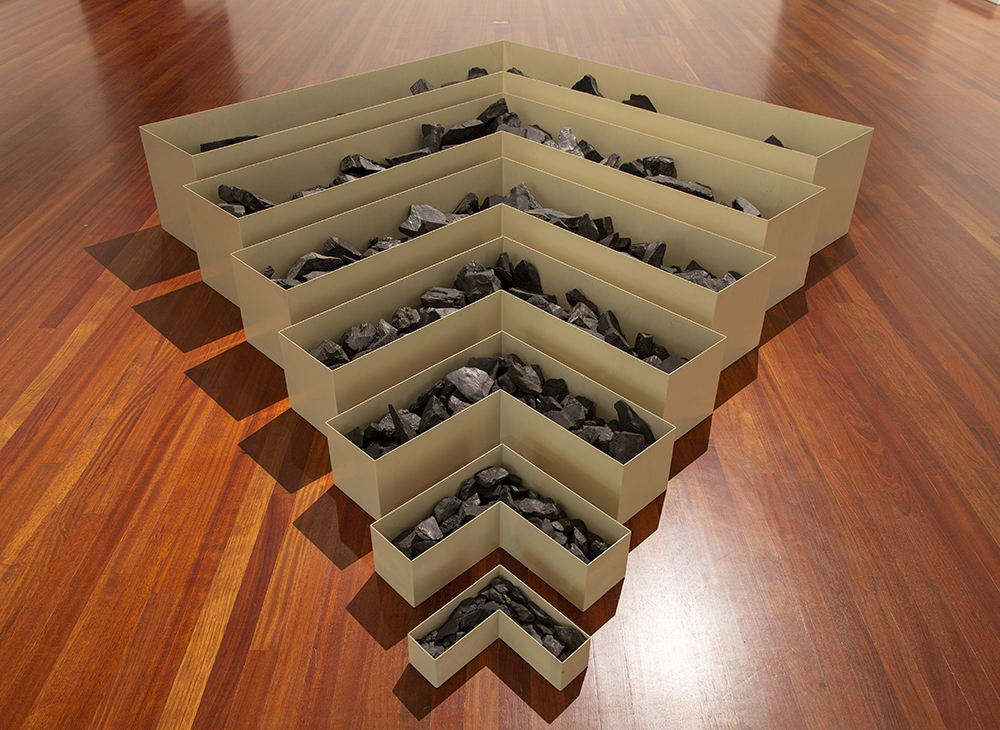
x=498, y=626
x=294, y=120
x=381, y=485
x=684, y=397
x=218, y=233
x=827, y=152
x=267, y=308
x=501, y=526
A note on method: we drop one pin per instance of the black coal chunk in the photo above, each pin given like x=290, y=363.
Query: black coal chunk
x=358, y=338
x=330, y=354
x=587, y=84
x=420, y=86
x=526, y=277
x=404, y=429
x=439, y=296
x=309, y=191
x=741, y=203
x=267, y=271
x=639, y=100
x=407, y=157
x=468, y=206
x=625, y=446
x=685, y=186
x=659, y=165
x=312, y=262
x=233, y=209
x=216, y=144
x=521, y=198
x=405, y=319
x=472, y=383
x=493, y=112
x=464, y=132
x=476, y=281
x=422, y=219
x=628, y=420
x=433, y=134
x=238, y=196
x=336, y=246
x=359, y=166
x=774, y=140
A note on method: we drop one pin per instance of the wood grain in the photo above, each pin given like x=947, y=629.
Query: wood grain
x=174, y=554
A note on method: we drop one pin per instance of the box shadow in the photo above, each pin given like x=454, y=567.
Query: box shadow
x=241, y=380
x=290, y=450
x=146, y=257
x=339, y=528
x=191, y=316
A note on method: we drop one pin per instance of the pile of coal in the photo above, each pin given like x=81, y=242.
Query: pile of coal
x=486, y=488
x=241, y=202
x=421, y=85
x=216, y=144
x=622, y=438
x=474, y=281
x=338, y=253
x=502, y=595
x=698, y=274
x=602, y=230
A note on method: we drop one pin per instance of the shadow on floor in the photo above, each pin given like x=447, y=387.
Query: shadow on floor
x=241, y=380
x=339, y=528
x=290, y=450
x=145, y=257
x=191, y=316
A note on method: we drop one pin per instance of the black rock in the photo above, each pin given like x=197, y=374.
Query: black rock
x=336, y=246
x=521, y=198
x=513, y=70
x=504, y=270
x=613, y=160
x=433, y=413
x=286, y=283
x=408, y=157
x=639, y=100
x=356, y=437
x=464, y=132
x=741, y=203
x=659, y=165
x=634, y=167
x=655, y=250
x=587, y=84
x=671, y=363
x=313, y=262
x=377, y=245
x=438, y=297
x=475, y=72
x=702, y=278
x=599, y=436
x=685, y=186
x=384, y=334
x=433, y=134
x=428, y=315
x=525, y=378
x=589, y=152
x=445, y=508
x=625, y=446
x=643, y=345
x=534, y=133
x=405, y=319
x=493, y=112
x=555, y=388
x=420, y=86
x=216, y=144
x=341, y=179
x=359, y=166
x=234, y=209
x=422, y=219
x=491, y=477
x=628, y=420
x=429, y=529
x=252, y=203
x=526, y=277
x=309, y=191
x=267, y=271
x=774, y=140
x=330, y=354
x=358, y=338
x=471, y=508
x=468, y=206
x=473, y=384
x=488, y=364
x=404, y=431
x=582, y=316
x=490, y=201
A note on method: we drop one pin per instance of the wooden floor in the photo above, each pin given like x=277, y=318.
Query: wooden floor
x=173, y=552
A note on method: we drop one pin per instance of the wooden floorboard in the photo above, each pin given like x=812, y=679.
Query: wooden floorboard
x=174, y=553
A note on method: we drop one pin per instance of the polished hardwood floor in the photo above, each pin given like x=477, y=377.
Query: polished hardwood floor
x=173, y=550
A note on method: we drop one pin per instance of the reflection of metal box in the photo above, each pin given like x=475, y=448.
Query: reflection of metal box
x=500, y=526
